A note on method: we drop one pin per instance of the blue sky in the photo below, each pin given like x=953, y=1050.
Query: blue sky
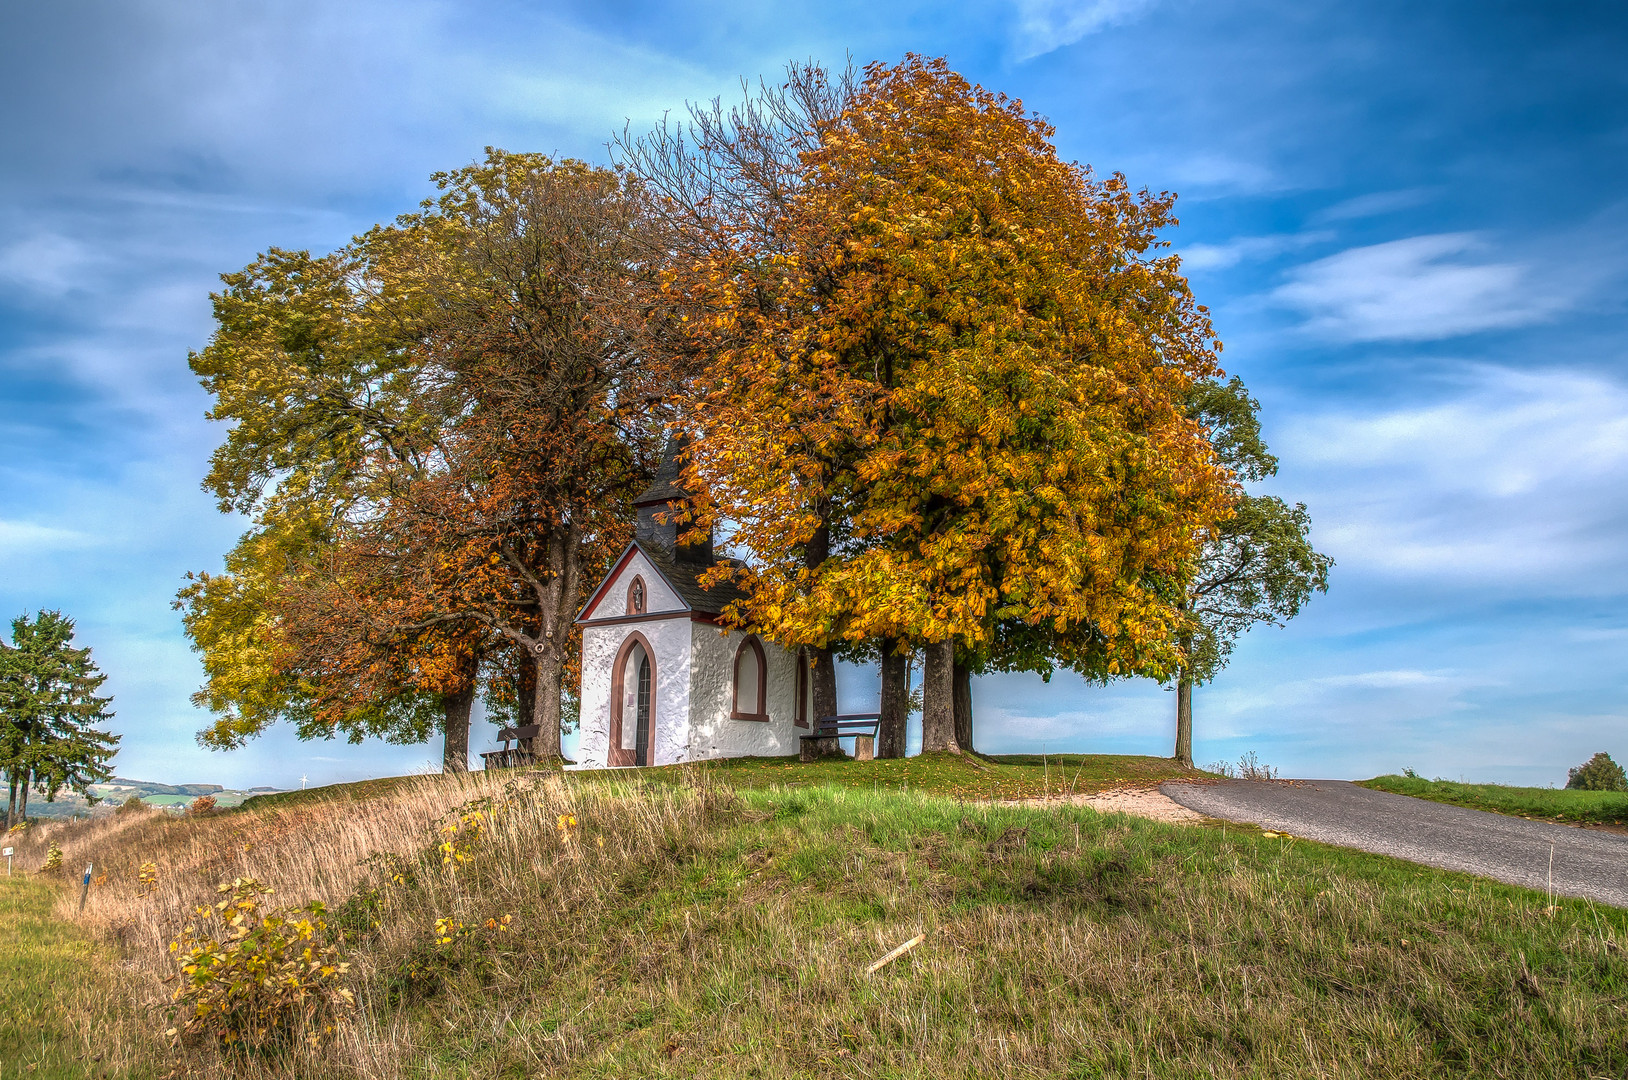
x=1410, y=220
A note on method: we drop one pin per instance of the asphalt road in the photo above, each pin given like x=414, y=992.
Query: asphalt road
x=1587, y=863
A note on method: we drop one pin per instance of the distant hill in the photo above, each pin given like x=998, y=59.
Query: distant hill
x=118, y=789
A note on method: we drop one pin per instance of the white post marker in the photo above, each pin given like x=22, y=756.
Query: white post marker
x=7, y=854
x=86, y=890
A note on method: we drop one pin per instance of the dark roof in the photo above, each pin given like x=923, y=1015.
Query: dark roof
x=664, y=487
x=683, y=576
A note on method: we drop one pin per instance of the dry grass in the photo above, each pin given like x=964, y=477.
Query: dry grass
x=698, y=931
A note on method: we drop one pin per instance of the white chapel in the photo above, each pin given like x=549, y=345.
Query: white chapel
x=662, y=680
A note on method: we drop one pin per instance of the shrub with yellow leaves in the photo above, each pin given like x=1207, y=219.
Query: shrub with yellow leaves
x=459, y=837
x=254, y=978
x=147, y=879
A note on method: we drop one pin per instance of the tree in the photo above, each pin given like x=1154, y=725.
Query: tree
x=959, y=363
x=312, y=364
x=543, y=341
x=437, y=430
x=1257, y=566
x=1598, y=773
x=727, y=182
x=48, y=714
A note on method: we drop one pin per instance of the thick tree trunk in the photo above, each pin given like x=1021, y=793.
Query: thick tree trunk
x=525, y=691
x=815, y=552
x=11, y=801
x=457, y=705
x=1184, y=719
x=895, y=710
x=546, y=703
x=22, y=809
x=963, y=706
x=938, y=699
x=825, y=684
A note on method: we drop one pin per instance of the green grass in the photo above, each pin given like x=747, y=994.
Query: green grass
x=965, y=776
x=1543, y=804
x=51, y=992
x=354, y=791
x=729, y=939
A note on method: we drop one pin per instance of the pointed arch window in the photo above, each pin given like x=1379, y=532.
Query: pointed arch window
x=751, y=679
x=805, y=688
x=633, y=701
x=637, y=597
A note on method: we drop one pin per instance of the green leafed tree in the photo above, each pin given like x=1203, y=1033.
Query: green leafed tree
x=1258, y=566
x=50, y=738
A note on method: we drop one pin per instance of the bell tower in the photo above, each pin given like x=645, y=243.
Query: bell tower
x=661, y=499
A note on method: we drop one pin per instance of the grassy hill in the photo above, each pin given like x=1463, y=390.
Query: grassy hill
x=1539, y=804
x=118, y=789
x=719, y=922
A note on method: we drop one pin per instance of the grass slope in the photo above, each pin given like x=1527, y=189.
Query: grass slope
x=681, y=925
x=52, y=993
x=1544, y=804
x=963, y=776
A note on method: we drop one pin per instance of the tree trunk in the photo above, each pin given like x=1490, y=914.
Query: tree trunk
x=457, y=705
x=28, y=782
x=11, y=802
x=891, y=731
x=938, y=699
x=1184, y=718
x=963, y=706
x=525, y=691
x=825, y=684
x=815, y=552
x=546, y=703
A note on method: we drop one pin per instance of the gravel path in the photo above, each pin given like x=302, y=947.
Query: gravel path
x=1140, y=802
x=1587, y=863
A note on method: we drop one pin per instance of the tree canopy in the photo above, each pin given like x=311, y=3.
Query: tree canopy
x=962, y=359
x=950, y=392
x=50, y=713
x=1256, y=566
x=437, y=430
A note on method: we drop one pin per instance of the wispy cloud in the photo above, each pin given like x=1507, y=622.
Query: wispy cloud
x=1375, y=204
x=45, y=263
x=1513, y=483
x=1423, y=288
x=19, y=537
x=1247, y=249
x=1046, y=25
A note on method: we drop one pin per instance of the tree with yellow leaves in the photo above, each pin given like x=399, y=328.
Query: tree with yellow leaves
x=963, y=359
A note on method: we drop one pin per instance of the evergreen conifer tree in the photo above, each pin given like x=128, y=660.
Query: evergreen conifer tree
x=49, y=712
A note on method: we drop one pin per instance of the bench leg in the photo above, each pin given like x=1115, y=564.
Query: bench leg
x=815, y=749
x=864, y=747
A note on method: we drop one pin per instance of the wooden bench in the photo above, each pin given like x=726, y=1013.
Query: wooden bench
x=517, y=757
x=829, y=731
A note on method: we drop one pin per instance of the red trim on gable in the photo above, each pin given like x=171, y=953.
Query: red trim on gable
x=621, y=563
x=617, y=620
x=599, y=593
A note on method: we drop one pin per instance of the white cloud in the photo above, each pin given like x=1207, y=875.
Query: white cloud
x=1246, y=248
x=1046, y=25
x=45, y=263
x=1375, y=204
x=19, y=537
x=1516, y=483
x=1387, y=680
x=1423, y=288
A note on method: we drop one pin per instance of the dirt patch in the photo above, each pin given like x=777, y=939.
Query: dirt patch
x=1145, y=802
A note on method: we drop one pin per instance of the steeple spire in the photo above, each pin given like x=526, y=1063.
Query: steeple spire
x=662, y=498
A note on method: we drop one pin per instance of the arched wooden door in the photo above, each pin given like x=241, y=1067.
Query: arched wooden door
x=633, y=704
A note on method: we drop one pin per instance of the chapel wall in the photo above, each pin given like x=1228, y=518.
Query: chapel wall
x=659, y=596
x=713, y=734
x=669, y=641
